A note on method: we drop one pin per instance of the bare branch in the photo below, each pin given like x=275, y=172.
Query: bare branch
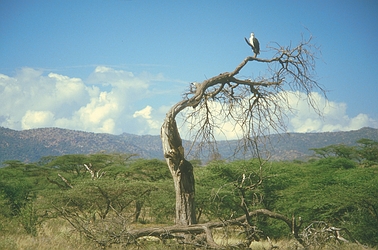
x=65, y=181
x=253, y=108
x=94, y=174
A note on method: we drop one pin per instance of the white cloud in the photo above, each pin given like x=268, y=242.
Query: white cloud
x=144, y=113
x=31, y=99
x=35, y=119
x=334, y=115
x=98, y=115
x=112, y=101
x=117, y=78
x=99, y=108
x=30, y=91
x=302, y=118
x=150, y=125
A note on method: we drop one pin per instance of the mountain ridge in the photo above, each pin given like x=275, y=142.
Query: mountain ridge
x=31, y=145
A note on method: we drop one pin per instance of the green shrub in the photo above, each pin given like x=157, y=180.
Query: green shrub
x=337, y=162
x=29, y=219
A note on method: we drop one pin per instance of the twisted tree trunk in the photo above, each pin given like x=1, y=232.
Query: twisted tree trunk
x=181, y=170
x=254, y=105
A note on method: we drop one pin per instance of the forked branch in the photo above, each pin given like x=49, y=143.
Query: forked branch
x=254, y=107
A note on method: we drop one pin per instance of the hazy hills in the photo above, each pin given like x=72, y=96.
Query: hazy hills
x=31, y=145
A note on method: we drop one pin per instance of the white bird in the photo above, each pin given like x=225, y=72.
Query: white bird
x=254, y=43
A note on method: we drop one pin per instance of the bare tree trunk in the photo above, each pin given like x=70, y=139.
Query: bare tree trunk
x=255, y=106
x=181, y=170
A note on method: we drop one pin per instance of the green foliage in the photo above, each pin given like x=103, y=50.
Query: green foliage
x=161, y=199
x=219, y=187
x=16, y=187
x=339, y=150
x=160, y=204
x=333, y=189
x=337, y=162
x=147, y=170
x=123, y=186
x=368, y=151
x=29, y=218
x=74, y=164
x=335, y=195
x=69, y=163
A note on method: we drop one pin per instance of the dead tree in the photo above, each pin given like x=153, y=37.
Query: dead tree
x=255, y=106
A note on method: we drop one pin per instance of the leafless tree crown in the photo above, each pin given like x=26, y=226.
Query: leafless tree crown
x=257, y=106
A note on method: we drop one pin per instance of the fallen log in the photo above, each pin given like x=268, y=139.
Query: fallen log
x=177, y=231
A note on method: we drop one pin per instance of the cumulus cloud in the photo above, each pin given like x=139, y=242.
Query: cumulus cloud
x=31, y=94
x=303, y=118
x=35, y=119
x=115, y=101
x=144, y=113
x=328, y=116
x=151, y=123
x=104, y=103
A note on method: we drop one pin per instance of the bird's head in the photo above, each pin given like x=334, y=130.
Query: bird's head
x=252, y=34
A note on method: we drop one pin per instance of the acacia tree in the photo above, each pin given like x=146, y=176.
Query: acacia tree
x=256, y=106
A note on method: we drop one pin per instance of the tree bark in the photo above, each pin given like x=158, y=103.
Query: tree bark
x=260, y=112
x=177, y=231
x=181, y=170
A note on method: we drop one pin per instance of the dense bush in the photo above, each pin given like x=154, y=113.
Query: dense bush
x=337, y=162
x=334, y=189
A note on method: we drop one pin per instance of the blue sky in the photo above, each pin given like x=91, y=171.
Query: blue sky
x=117, y=66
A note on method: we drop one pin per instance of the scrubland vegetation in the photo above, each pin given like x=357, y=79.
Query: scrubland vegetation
x=97, y=201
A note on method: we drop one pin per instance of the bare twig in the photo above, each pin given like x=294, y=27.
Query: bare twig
x=255, y=107
x=65, y=181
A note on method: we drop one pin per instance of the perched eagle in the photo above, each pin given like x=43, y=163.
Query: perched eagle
x=254, y=43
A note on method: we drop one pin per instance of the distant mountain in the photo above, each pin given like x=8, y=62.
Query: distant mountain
x=31, y=145
x=298, y=145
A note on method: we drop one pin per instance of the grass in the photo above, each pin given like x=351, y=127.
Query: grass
x=56, y=234
x=53, y=234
